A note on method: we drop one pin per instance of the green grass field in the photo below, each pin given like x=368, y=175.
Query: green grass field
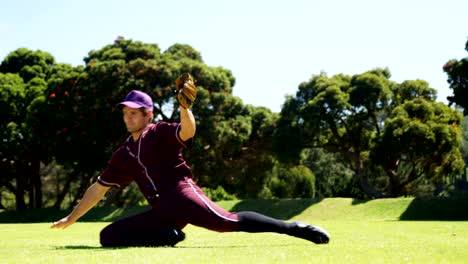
x=362, y=232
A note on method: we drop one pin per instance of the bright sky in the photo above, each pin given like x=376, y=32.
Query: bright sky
x=270, y=46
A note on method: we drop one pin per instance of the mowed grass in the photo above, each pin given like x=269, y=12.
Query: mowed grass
x=367, y=232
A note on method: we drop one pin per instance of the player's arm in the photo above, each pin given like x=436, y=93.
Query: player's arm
x=92, y=196
x=187, y=124
x=186, y=92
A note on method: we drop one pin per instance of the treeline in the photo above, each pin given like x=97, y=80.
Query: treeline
x=359, y=136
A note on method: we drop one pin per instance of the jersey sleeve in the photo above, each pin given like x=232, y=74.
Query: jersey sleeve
x=170, y=133
x=116, y=173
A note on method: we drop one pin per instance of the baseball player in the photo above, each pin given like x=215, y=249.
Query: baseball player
x=152, y=157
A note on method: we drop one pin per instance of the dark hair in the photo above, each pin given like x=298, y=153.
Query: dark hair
x=145, y=112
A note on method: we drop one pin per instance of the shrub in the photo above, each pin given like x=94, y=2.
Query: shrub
x=218, y=194
x=290, y=182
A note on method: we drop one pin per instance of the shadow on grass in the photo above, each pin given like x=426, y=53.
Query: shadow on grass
x=191, y=247
x=83, y=248
x=31, y=215
x=48, y=215
x=357, y=201
x=416, y=209
x=437, y=209
x=78, y=247
x=281, y=209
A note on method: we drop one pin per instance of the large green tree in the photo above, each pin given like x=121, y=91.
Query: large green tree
x=421, y=139
x=11, y=89
x=23, y=75
x=349, y=115
x=457, y=77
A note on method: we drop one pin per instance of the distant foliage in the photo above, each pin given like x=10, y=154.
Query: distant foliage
x=374, y=125
x=218, y=194
x=457, y=77
x=333, y=176
x=289, y=182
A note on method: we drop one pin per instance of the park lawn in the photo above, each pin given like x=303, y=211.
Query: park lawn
x=363, y=233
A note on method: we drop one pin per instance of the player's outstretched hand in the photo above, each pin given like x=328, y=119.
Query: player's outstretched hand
x=63, y=223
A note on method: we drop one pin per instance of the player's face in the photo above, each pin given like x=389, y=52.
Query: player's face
x=134, y=119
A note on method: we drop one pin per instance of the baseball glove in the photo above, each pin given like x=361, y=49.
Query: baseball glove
x=186, y=91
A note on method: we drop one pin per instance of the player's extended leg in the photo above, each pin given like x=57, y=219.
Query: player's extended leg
x=141, y=230
x=201, y=211
x=254, y=223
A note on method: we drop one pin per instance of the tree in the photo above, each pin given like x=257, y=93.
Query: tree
x=333, y=176
x=22, y=150
x=28, y=64
x=11, y=89
x=256, y=155
x=290, y=182
x=457, y=73
x=231, y=146
x=461, y=183
x=23, y=82
x=421, y=139
x=244, y=152
x=348, y=115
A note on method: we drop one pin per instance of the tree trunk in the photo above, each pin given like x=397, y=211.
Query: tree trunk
x=2, y=207
x=30, y=191
x=465, y=172
x=394, y=189
x=363, y=180
x=66, y=188
x=19, y=193
x=36, y=183
x=32, y=178
x=85, y=183
x=368, y=190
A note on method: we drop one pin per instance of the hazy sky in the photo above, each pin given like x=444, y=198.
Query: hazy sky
x=270, y=46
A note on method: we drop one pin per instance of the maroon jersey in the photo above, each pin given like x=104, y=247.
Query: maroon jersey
x=154, y=161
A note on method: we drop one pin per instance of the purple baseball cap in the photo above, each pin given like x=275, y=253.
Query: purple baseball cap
x=137, y=99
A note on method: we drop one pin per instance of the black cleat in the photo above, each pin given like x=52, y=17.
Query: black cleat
x=311, y=233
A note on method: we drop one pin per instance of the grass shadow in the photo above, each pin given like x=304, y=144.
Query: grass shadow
x=436, y=209
x=81, y=247
x=283, y=209
x=30, y=215
x=48, y=215
x=78, y=247
x=357, y=201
